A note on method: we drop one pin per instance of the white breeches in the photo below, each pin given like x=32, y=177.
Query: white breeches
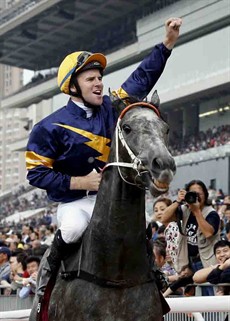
x=74, y=217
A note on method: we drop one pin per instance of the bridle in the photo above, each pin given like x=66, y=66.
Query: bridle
x=136, y=163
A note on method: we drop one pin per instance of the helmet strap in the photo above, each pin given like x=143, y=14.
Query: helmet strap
x=78, y=94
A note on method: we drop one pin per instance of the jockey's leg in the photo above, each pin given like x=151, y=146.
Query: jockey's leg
x=58, y=251
x=73, y=219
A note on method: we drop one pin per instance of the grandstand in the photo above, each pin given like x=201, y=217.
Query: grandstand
x=194, y=88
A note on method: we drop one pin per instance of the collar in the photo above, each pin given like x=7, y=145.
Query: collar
x=77, y=111
x=88, y=110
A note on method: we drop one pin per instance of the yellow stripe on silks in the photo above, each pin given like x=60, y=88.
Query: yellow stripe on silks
x=33, y=160
x=121, y=93
x=99, y=143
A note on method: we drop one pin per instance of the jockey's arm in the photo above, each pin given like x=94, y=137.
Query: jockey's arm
x=172, y=27
x=40, y=157
x=143, y=79
x=89, y=182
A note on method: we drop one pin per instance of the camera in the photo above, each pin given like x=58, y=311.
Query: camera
x=191, y=197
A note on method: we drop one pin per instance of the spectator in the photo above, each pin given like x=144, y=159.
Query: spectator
x=182, y=280
x=38, y=248
x=18, y=269
x=42, y=233
x=26, y=231
x=5, y=254
x=154, y=228
x=29, y=284
x=169, y=230
x=158, y=208
x=219, y=273
x=199, y=231
x=161, y=233
x=49, y=235
x=47, y=219
x=18, y=239
x=227, y=231
x=159, y=252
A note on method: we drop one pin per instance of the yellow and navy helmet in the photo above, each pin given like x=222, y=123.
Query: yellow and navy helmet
x=74, y=62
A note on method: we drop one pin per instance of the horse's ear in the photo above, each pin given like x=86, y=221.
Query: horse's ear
x=155, y=99
x=117, y=102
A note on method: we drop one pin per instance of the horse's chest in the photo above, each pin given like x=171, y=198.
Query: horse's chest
x=91, y=302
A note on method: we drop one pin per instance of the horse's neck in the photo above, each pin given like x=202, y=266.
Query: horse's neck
x=115, y=241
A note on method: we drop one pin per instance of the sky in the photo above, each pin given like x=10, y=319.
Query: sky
x=27, y=75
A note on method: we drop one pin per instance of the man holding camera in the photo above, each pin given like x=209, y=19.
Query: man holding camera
x=198, y=225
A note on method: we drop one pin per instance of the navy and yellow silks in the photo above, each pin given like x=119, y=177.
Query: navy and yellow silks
x=61, y=144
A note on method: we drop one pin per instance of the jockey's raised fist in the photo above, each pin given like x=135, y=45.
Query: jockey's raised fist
x=172, y=27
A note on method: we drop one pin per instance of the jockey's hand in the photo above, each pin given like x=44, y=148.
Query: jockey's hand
x=172, y=27
x=89, y=182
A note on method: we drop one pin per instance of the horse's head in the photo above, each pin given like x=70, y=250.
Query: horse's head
x=140, y=146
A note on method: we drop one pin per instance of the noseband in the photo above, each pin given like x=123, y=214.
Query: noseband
x=136, y=163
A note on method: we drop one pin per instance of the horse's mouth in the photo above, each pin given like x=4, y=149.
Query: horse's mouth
x=157, y=186
x=161, y=187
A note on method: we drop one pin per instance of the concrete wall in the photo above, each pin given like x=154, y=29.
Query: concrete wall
x=195, y=66
x=206, y=171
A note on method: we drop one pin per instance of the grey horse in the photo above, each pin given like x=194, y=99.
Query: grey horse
x=111, y=278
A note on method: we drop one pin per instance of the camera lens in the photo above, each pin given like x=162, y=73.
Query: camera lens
x=191, y=197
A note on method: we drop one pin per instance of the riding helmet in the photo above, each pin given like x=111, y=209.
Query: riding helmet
x=76, y=62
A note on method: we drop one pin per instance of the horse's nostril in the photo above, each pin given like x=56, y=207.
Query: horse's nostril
x=160, y=164
x=157, y=163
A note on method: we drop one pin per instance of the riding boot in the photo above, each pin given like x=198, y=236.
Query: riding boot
x=58, y=251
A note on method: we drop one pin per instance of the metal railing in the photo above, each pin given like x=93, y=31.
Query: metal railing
x=14, y=303
x=197, y=316
x=216, y=308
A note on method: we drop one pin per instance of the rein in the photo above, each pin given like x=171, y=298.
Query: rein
x=135, y=163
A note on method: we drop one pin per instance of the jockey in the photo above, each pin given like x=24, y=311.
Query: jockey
x=65, y=147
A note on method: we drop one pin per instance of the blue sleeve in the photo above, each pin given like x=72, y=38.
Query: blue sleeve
x=42, y=150
x=143, y=79
x=214, y=219
x=24, y=292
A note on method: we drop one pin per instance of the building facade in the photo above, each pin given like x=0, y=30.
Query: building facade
x=11, y=163
x=193, y=88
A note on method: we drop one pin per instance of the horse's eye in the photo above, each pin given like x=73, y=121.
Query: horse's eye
x=167, y=131
x=126, y=128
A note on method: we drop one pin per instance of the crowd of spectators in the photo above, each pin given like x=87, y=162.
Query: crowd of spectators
x=217, y=136
x=23, y=199
x=165, y=238
x=22, y=246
